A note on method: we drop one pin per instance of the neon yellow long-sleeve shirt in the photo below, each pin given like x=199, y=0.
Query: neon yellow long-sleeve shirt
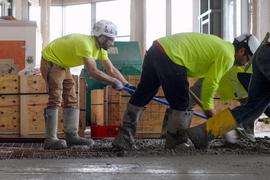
x=68, y=51
x=203, y=55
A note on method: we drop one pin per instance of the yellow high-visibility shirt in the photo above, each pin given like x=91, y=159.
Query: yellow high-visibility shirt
x=203, y=55
x=230, y=87
x=68, y=51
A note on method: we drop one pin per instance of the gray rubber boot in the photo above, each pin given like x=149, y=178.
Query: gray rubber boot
x=178, y=123
x=246, y=131
x=248, y=126
x=71, y=125
x=51, y=123
x=126, y=133
x=165, y=124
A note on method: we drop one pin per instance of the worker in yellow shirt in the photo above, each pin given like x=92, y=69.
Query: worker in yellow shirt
x=57, y=59
x=233, y=85
x=168, y=63
x=257, y=102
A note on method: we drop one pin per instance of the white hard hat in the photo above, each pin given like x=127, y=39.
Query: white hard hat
x=105, y=27
x=252, y=42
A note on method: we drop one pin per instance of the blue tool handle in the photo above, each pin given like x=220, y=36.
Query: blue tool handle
x=165, y=102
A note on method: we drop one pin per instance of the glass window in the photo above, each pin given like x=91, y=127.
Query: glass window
x=78, y=19
x=181, y=16
x=232, y=20
x=34, y=14
x=117, y=12
x=155, y=20
x=55, y=18
x=56, y=22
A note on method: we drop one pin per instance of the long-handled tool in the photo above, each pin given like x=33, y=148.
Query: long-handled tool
x=165, y=102
x=195, y=98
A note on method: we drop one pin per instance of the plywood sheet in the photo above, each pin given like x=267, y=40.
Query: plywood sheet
x=13, y=50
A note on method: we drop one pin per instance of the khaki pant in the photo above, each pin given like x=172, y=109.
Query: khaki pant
x=60, y=85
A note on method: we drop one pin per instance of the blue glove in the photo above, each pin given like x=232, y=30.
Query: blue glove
x=131, y=87
x=117, y=85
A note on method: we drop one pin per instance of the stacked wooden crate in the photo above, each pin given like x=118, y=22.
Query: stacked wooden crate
x=22, y=102
x=151, y=122
x=113, y=107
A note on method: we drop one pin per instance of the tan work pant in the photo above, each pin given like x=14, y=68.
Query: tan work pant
x=60, y=84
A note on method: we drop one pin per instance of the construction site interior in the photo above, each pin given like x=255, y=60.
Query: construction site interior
x=24, y=32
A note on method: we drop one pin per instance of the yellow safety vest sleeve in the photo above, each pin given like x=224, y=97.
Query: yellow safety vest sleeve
x=230, y=87
x=68, y=51
x=203, y=55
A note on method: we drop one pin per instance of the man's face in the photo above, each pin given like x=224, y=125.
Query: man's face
x=241, y=58
x=107, y=42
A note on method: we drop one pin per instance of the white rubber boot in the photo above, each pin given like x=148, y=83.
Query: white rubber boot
x=51, y=123
x=71, y=125
x=230, y=137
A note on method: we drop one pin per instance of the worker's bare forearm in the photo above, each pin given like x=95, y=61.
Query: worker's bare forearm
x=102, y=77
x=116, y=74
x=96, y=74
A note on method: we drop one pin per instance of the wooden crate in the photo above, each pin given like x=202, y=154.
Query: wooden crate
x=22, y=102
x=97, y=107
x=82, y=105
x=151, y=122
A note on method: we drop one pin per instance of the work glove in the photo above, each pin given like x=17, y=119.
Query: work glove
x=117, y=85
x=128, y=85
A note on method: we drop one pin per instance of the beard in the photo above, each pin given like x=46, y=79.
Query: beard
x=238, y=60
x=105, y=46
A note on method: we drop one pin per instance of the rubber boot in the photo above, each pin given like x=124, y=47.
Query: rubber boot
x=126, y=133
x=165, y=124
x=230, y=137
x=71, y=125
x=51, y=124
x=246, y=131
x=178, y=123
x=217, y=125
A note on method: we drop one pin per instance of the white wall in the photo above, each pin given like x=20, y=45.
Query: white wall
x=12, y=30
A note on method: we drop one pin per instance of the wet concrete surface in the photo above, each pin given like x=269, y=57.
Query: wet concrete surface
x=172, y=167
x=243, y=160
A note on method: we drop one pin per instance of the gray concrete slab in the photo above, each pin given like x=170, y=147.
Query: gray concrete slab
x=194, y=167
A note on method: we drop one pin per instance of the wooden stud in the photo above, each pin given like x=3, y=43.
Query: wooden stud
x=105, y=116
x=82, y=106
x=23, y=107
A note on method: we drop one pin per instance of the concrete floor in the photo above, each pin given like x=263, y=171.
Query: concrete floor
x=244, y=160
x=174, y=167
